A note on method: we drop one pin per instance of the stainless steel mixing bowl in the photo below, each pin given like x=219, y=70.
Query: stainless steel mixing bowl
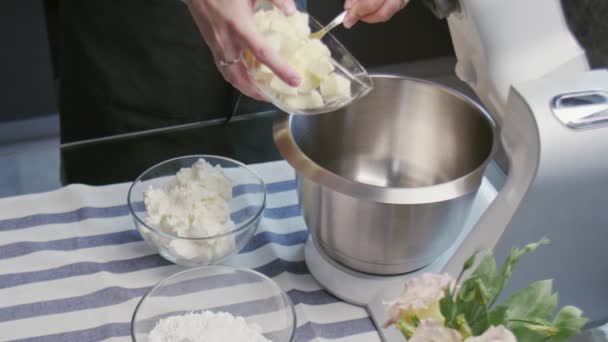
x=386, y=184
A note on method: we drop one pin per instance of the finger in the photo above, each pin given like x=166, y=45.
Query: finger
x=286, y=6
x=229, y=74
x=239, y=77
x=247, y=84
x=360, y=9
x=387, y=11
x=363, y=8
x=348, y=4
x=202, y=24
x=350, y=20
x=240, y=80
x=261, y=49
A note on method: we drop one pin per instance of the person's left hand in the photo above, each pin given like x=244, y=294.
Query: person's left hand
x=228, y=28
x=371, y=11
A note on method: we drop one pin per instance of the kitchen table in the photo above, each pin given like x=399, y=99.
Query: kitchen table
x=73, y=267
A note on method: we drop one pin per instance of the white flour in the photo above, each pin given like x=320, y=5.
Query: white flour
x=194, y=204
x=206, y=326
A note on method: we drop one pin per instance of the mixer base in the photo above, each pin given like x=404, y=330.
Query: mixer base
x=361, y=288
x=370, y=291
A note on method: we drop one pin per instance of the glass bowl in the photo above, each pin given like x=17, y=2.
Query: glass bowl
x=246, y=209
x=342, y=60
x=240, y=292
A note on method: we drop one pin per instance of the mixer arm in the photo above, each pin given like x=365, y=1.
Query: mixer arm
x=520, y=138
x=501, y=43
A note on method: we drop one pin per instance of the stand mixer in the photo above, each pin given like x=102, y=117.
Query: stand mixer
x=526, y=67
x=530, y=73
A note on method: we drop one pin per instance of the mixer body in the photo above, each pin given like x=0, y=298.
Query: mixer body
x=530, y=72
x=556, y=137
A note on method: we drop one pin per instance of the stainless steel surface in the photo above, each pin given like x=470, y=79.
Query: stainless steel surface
x=386, y=184
x=332, y=25
x=582, y=110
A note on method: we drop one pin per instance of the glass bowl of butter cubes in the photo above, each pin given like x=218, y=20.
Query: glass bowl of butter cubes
x=331, y=78
x=197, y=210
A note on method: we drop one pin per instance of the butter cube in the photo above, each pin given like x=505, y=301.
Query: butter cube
x=321, y=68
x=316, y=48
x=289, y=45
x=275, y=40
x=299, y=22
x=304, y=101
x=335, y=86
x=281, y=87
x=262, y=20
x=308, y=83
x=281, y=25
x=256, y=74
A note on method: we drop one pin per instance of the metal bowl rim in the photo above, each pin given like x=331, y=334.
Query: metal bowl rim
x=312, y=171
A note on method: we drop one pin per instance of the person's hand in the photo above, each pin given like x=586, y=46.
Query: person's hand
x=228, y=28
x=371, y=11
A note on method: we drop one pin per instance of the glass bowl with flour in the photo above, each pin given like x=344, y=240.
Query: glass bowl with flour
x=214, y=304
x=197, y=210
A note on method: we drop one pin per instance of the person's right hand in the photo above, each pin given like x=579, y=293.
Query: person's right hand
x=228, y=28
x=371, y=11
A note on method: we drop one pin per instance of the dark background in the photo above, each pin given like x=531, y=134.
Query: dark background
x=28, y=107
x=413, y=34
x=26, y=73
x=26, y=82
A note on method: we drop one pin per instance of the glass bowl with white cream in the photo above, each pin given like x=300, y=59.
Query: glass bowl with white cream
x=331, y=78
x=197, y=210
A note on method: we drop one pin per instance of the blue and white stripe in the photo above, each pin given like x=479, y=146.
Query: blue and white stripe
x=72, y=267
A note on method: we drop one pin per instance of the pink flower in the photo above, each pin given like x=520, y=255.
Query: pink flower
x=420, y=298
x=494, y=334
x=433, y=331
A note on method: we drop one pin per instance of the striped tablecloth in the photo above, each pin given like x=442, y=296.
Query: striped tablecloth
x=72, y=266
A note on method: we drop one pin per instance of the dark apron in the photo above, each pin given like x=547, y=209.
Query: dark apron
x=133, y=65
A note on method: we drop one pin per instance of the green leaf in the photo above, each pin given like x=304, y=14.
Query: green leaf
x=530, y=331
x=497, y=315
x=528, y=311
x=474, y=302
x=463, y=326
x=407, y=328
x=516, y=254
x=448, y=308
x=486, y=273
x=569, y=322
x=478, y=315
x=467, y=265
x=471, y=303
x=534, y=332
x=533, y=303
x=512, y=260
